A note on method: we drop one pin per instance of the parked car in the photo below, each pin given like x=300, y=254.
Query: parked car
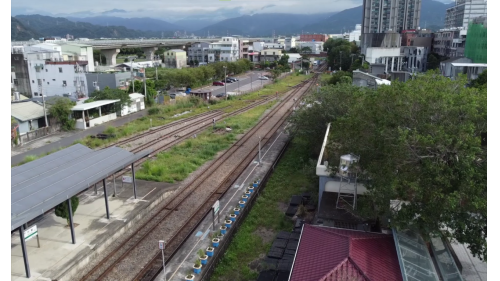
x=218, y=83
x=220, y=95
x=234, y=79
x=263, y=78
x=229, y=80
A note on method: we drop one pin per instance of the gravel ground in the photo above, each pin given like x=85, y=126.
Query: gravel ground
x=186, y=202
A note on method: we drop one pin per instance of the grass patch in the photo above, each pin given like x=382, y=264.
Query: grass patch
x=294, y=174
x=163, y=114
x=183, y=159
x=30, y=158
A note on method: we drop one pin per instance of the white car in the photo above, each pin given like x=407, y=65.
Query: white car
x=263, y=78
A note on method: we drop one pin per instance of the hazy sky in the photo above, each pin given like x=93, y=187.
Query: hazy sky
x=176, y=9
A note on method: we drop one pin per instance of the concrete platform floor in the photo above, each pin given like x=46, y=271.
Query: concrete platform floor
x=57, y=254
x=182, y=263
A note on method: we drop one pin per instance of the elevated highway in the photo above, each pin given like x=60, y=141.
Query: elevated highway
x=111, y=47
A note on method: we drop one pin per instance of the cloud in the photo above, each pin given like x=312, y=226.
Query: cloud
x=177, y=10
x=268, y=6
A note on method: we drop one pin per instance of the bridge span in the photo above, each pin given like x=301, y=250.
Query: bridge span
x=111, y=47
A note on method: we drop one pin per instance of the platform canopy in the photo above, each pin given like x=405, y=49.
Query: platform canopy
x=42, y=184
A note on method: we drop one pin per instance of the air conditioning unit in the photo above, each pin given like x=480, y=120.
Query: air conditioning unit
x=25, y=58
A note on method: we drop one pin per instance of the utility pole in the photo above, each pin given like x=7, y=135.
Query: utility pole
x=156, y=67
x=225, y=81
x=132, y=75
x=43, y=102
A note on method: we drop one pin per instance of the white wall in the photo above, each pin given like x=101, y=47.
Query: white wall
x=52, y=80
x=373, y=53
x=258, y=46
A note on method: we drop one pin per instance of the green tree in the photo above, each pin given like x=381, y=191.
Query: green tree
x=293, y=50
x=432, y=62
x=275, y=73
x=306, y=50
x=61, y=210
x=481, y=80
x=419, y=143
x=337, y=77
x=112, y=94
x=60, y=109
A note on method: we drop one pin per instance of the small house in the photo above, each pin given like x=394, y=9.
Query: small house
x=136, y=105
x=29, y=115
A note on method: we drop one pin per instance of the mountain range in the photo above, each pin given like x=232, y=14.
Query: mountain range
x=255, y=25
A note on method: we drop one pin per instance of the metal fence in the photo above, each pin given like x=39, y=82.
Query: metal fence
x=207, y=271
x=36, y=134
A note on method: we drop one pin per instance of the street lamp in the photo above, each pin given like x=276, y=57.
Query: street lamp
x=225, y=81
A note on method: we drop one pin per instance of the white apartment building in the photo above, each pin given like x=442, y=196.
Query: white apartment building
x=226, y=50
x=42, y=71
x=463, y=12
x=316, y=46
x=230, y=49
x=289, y=43
x=69, y=51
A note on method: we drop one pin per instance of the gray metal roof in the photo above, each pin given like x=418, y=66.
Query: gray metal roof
x=26, y=110
x=42, y=184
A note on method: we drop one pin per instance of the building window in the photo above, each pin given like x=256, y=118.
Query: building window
x=39, y=82
x=33, y=81
x=60, y=69
x=48, y=83
x=46, y=70
x=64, y=83
x=16, y=82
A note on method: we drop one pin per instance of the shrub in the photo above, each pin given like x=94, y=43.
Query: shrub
x=153, y=111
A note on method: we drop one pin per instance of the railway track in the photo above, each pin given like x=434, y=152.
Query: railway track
x=179, y=216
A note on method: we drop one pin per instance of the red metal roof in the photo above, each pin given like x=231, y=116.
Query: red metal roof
x=329, y=254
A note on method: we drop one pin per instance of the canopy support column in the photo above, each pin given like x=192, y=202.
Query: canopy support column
x=105, y=197
x=133, y=181
x=25, y=253
x=71, y=226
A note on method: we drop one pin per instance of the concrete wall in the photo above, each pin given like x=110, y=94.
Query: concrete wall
x=111, y=80
x=54, y=80
x=20, y=68
x=362, y=79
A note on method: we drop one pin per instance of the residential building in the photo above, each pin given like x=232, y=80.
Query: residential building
x=226, y=50
x=316, y=46
x=274, y=46
x=314, y=37
x=137, y=104
x=415, y=58
x=78, y=52
x=289, y=43
x=230, y=49
x=476, y=45
x=270, y=55
x=390, y=15
x=472, y=70
x=99, y=81
x=91, y=114
x=214, y=52
x=29, y=115
x=450, y=42
x=445, y=66
x=198, y=51
x=464, y=12
x=407, y=36
x=258, y=46
x=245, y=48
x=175, y=58
x=327, y=253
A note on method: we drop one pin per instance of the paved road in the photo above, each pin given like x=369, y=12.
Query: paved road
x=67, y=141
x=250, y=79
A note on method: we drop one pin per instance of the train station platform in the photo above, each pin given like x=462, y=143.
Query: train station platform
x=57, y=257
x=182, y=262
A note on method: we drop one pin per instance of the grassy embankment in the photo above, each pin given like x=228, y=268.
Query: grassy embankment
x=166, y=112
x=293, y=175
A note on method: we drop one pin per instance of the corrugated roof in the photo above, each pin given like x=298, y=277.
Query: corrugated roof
x=340, y=254
x=25, y=111
x=94, y=104
x=42, y=184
